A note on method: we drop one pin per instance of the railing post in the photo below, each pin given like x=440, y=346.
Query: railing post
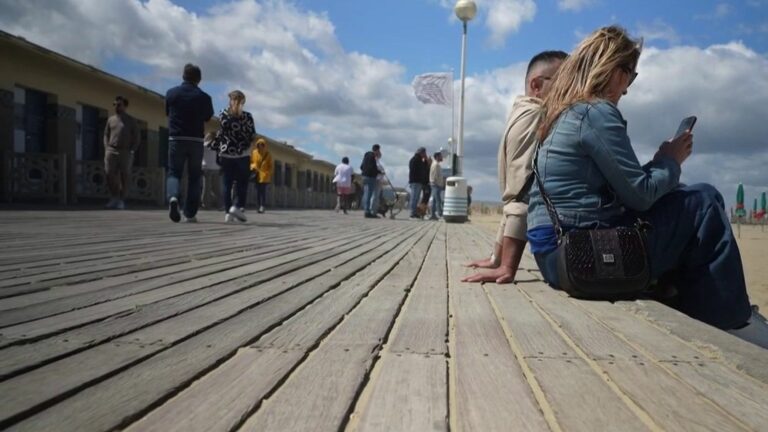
x=7, y=176
x=63, y=179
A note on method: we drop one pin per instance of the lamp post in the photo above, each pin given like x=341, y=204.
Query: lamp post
x=455, y=207
x=465, y=10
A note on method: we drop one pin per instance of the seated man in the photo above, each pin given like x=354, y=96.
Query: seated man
x=514, y=157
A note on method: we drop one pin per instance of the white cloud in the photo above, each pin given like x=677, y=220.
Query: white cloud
x=574, y=5
x=658, y=30
x=301, y=83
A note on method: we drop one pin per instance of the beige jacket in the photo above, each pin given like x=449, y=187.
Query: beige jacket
x=516, y=153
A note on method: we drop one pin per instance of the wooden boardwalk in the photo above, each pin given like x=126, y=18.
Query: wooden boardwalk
x=314, y=321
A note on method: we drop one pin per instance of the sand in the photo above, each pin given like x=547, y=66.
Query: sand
x=753, y=244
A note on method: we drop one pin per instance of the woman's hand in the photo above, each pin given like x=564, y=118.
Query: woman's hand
x=678, y=149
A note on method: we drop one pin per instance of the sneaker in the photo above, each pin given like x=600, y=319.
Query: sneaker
x=192, y=219
x=434, y=218
x=755, y=331
x=228, y=218
x=238, y=214
x=414, y=217
x=173, y=210
x=345, y=212
x=112, y=204
x=261, y=209
x=371, y=216
x=120, y=205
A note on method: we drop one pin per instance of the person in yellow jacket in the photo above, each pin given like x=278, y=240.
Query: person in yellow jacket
x=262, y=165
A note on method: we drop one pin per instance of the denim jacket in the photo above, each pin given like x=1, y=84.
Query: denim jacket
x=591, y=172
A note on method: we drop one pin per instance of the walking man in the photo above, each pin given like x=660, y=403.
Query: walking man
x=121, y=140
x=371, y=169
x=418, y=176
x=514, y=159
x=437, y=183
x=188, y=108
x=342, y=176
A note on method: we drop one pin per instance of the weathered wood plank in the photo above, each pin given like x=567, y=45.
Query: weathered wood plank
x=82, y=295
x=340, y=364
x=238, y=385
x=271, y=268
x=668, y=401
x=488, y=389
x=563, y=376
x=742, y=355
x=119, y=400
x=423, y=325
x=23, y=357
x=410, y=394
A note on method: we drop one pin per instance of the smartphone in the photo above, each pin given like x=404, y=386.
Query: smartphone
x=686, y=124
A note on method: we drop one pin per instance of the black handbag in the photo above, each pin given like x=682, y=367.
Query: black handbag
x=601, y=263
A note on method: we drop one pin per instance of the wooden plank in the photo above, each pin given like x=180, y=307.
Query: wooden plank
x=293, y=339
x=238, y=386
x=121, y=399
x=669, y=402
x=23, y=357
x=423, y=325
x=410, y=394
x=563, y=376
x=340, y=364
x=272, y=268
x=488, y=389
x=742, y=355
x=93, y=271
x=75, y=297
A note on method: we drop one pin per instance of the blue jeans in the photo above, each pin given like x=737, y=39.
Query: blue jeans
x=180, y=152
x=692, y=245
x=370, y=192
x=236, y=171
x=415, y=197
x=437, y=201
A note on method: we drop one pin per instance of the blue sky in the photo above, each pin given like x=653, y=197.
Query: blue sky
x=333, y=76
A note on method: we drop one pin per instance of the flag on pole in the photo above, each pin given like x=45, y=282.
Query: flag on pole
x=434, y=88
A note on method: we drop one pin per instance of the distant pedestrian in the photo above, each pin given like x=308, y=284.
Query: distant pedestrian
x=210, y=196
x=437, y=183
x=342, y=177
x=426, y=191
x=418, y=175
x=121, y=140
x=371, y=170
x=188, y=108
x=262, y=165
x=233, y=144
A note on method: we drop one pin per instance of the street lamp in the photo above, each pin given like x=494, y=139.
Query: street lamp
x=456, y=197
x=465, y=11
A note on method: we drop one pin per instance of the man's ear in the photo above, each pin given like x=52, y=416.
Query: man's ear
x=536, y=84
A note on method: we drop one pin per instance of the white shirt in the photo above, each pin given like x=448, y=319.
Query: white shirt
x=343, y=175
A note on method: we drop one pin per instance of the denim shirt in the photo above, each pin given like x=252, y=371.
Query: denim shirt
x=591, y=172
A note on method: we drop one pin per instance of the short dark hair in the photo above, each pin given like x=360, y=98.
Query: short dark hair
x=437, y=154
x=345, y=160
x=376, y=147
x=121, y=99
x=545, y=57
x=192, y=73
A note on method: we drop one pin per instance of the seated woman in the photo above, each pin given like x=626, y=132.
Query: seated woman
x=589, y=169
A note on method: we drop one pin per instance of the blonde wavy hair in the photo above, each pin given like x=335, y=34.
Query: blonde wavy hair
x=586, y=73
x=236, y=102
